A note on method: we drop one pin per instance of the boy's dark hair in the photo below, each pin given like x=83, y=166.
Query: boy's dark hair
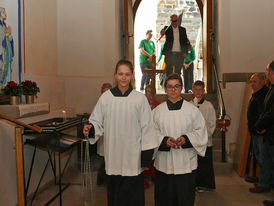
x=148, y=31
x=124, y=62
x=174, y=76
x=199, y=83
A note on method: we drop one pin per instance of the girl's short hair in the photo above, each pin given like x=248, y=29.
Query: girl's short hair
x=174, y=76
x=124, y=62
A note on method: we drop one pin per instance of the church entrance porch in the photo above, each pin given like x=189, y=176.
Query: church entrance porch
x=154, y=15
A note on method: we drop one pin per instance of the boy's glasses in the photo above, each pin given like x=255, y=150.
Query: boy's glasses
x=170, y=87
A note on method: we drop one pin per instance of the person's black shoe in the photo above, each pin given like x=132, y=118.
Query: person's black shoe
x=259, y=189
x=251, y=179
x=142, y=88
x=268, y=202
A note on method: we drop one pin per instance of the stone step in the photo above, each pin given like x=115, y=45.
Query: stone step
x=222, y=168
x=217, y=142
x=217, y=155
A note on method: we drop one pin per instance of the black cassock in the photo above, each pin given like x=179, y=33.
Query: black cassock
x=176, y=168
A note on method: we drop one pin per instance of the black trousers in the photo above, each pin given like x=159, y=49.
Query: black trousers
x=175, y=59
x=125, y=190
x=188, y=77
x=174, y=190
x=101, y=173
x=205, y=172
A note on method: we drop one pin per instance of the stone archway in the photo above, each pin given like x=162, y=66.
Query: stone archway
x=205, y=8
x=137, y=3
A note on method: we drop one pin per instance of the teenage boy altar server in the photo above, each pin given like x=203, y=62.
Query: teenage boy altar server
x=124, y=116
x=205, y=179
x=182, y=135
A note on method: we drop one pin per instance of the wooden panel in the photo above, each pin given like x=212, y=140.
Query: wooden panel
x=207, y=45
x=237, y=77
x=129, y=33
x=200, y=5
x=243, y=138
x=135, y=7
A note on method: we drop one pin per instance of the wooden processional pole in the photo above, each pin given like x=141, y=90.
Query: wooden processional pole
x=20, y=166
x=153, y=72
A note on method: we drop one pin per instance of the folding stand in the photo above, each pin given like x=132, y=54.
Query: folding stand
x=52, y=143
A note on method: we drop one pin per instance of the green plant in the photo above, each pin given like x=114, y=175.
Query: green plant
x=30, y=88
x=12, y=89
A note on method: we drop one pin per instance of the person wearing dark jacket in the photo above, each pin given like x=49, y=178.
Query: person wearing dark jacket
x=265, y=126
x=255, y=108
x=176, y=46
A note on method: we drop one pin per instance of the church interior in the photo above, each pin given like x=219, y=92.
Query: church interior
x=70, y=48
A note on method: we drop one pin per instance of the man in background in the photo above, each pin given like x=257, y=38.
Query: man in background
x=176, y=46
x=147, y=50
x=255, y=108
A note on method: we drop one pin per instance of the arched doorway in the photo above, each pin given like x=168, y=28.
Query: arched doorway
x=154, y=15
x=205, y=7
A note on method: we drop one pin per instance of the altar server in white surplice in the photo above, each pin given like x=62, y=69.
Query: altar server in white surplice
x=182, y=135
x=124, y=117
x=205, y=178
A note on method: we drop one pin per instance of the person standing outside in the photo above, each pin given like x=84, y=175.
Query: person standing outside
x=176, y=46
x=147, y=50
x=188, y=68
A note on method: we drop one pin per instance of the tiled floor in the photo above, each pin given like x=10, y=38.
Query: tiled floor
x=231, y=190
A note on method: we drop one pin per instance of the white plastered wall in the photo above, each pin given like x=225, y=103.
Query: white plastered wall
x=245, y=36
x=88, y=48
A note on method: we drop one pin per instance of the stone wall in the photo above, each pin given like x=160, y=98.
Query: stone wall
x=191, y=16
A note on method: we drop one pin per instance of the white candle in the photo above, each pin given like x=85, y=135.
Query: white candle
x=64, y=115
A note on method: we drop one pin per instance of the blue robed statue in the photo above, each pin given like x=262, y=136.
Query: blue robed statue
x=6, y=49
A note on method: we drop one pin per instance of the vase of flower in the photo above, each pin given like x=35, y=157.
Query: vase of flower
x=29, y=99
x=13, y=90
x=14, y=100
x=30, y=90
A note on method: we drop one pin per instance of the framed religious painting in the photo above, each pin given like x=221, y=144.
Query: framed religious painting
x=10, y=56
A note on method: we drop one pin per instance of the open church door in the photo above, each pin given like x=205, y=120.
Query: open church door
x=128, y=32
x=207, y=45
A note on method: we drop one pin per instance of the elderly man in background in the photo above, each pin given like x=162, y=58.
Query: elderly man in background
x=265, y=126
x=255, y=108
x=176, y=46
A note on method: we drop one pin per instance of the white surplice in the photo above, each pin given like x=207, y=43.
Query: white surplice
x=174, y=123
x=127, y=126
x=209, y=114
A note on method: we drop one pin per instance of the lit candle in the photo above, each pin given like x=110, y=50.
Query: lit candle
x=64, y=115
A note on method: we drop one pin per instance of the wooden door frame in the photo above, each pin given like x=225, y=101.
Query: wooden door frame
x=206, y=48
